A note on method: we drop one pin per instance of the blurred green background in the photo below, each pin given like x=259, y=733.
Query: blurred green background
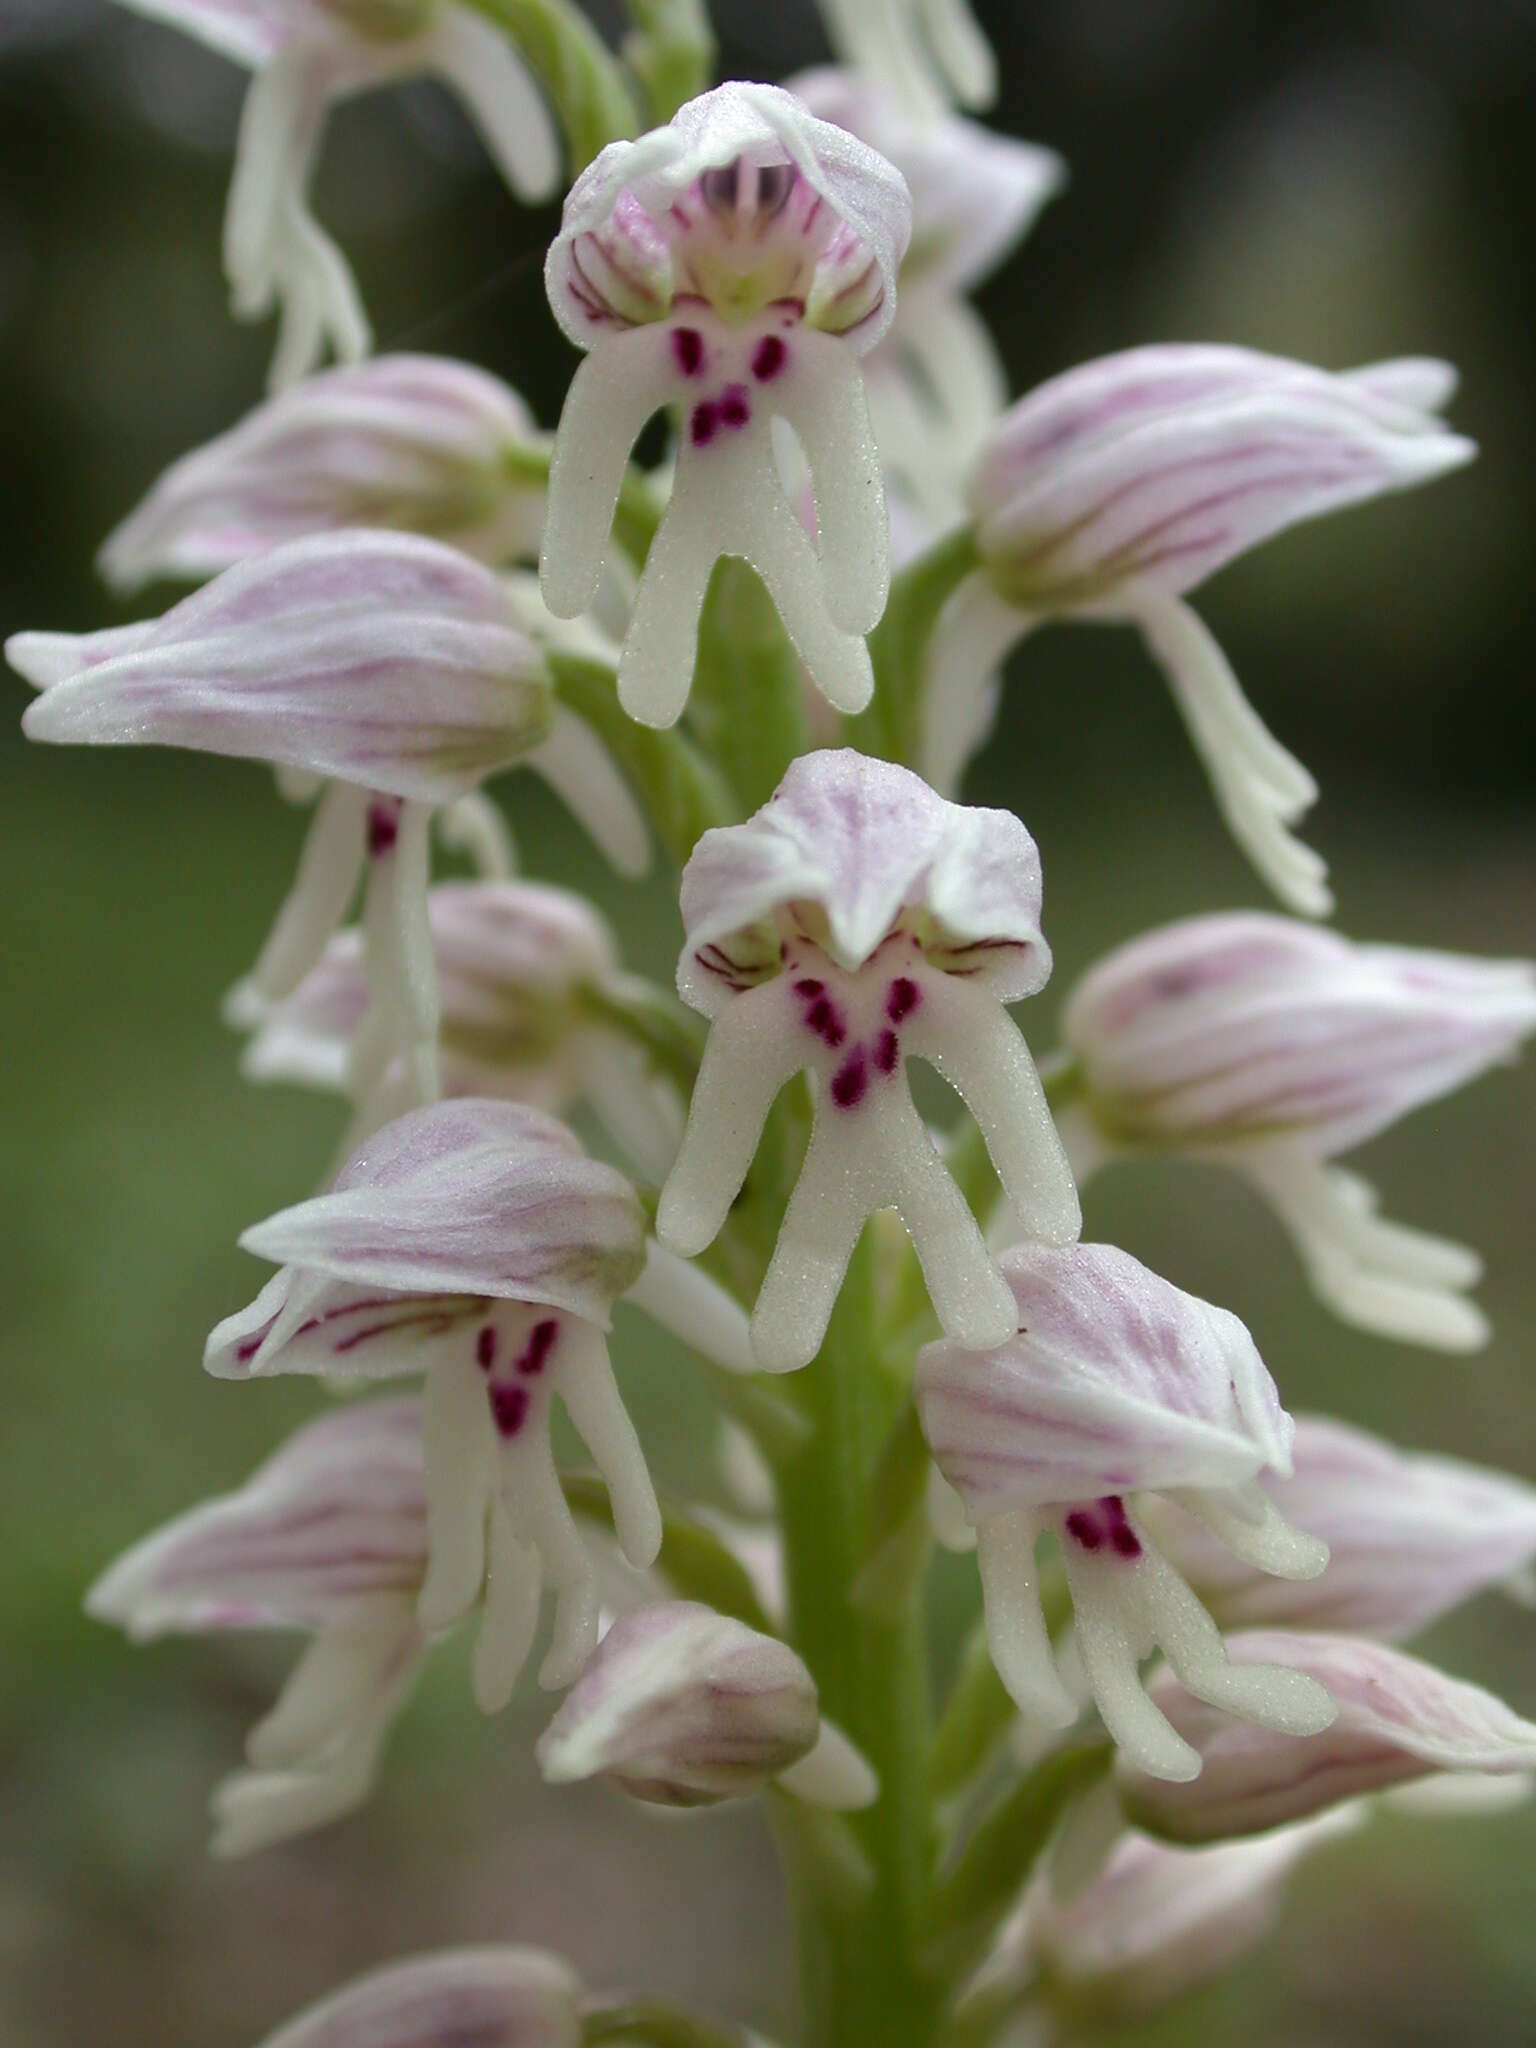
x=1341, y=182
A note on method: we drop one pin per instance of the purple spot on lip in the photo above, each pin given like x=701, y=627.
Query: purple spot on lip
x=1084, y=1529
x=735, y=410
x=688, y=348
x=823, y=1018
x=887, y=1051
x=485, y=1347
x=902, y=998
x=768, y=358
x=850, y=1080
x=810, y=986
x=383, y=828
x=701, y=429
x=541, y=1341
x=509, y=1409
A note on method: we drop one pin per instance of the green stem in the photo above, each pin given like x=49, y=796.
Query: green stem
x=862, y=1977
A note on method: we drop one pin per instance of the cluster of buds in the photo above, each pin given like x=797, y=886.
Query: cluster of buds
x=1116, y=1448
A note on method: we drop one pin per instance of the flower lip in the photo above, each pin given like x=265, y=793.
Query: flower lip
x=744, y=184
x=870, y=846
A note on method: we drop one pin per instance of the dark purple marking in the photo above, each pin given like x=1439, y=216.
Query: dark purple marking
x=850, y=1080
x=701, y=428
x=901, y=999
x=825, y=1019
x=383, y=829
x=688, y=348
x=769, y=357
x=485, y=1347
x=1121, y=1535
x=534, y=1356
x=1105, y=1522
x=887, y=1052
x=735, y=406
x=509, y=1408
x=810, y=986
x=1084, y=1529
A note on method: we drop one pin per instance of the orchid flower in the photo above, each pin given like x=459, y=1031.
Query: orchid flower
x=1112, y=491
x=737, y=264
x=1270, y=1047
x=1399, y=1721
x=1117, y=1384
x=1156, y=1922
x=858, y=921
x=413, y=442
x=936, y=382
x=518, y=965
x=681, y=1706
x=473, y=1242
x=330, y=1537
x=491, y=1997
x=1409, y=1537
x=306, y=55
x=924, y=53
x=390, y=666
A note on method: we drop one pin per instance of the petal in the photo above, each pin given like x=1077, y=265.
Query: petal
x=1117, y=1381
x=1398, y=1720
x=1145, y=472
x=248, y=31
x=483, y=65
x=472, y=1197
x=867, y=842
x=683, y=1706
x=384, y=660
x=497, y=1997
x=1409, y=1536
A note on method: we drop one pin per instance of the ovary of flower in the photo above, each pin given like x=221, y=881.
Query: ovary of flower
x=306, y=56
x=1116, y=1384
x=856, y=922
x=735, y=265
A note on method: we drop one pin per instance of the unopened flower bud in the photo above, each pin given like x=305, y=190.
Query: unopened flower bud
x=491, y=1997
x=683, y=1706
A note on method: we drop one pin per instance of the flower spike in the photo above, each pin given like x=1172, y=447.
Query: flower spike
x=855, y=922
x=472, y=1241
x=493, y=1997
x=1270, y=1047
x=1112, y=491
x=307, y=55
x=329, y=1536
x=1117, y=1384
x=414, y=442
x=736, y=263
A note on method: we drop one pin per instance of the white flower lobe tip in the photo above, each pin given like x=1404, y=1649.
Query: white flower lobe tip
x=1398, y=1720
x=683, y=1706
x=495, y=1997
x=1409, y=1536
x=415, y=442
x=923, y=53
x=735, y=264
x=856, y=921
x=383, y=660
